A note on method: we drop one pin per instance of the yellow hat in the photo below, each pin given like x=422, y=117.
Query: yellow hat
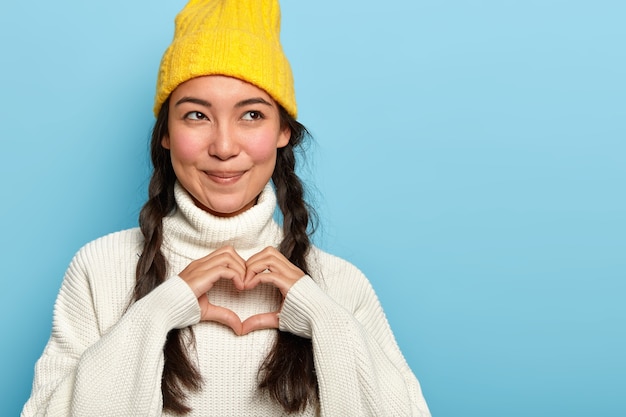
x=237, y=38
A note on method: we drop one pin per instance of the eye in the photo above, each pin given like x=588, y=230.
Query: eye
x=252, y=115
x=195, y=115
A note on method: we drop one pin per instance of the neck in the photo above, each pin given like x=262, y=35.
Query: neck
x=193, y=232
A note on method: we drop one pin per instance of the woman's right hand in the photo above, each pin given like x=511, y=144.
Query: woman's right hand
x=203, y=273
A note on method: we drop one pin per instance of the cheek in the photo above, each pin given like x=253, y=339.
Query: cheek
x=184, y=149
x=262, y=149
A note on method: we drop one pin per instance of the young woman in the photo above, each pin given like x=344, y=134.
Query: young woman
x=210, y=307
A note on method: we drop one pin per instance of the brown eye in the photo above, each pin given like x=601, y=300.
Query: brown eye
x=252, y=115
x=195, y=115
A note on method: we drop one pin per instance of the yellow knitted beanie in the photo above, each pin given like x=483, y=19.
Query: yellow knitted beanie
x=237, y=38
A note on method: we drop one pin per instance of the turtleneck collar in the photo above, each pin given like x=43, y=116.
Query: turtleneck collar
x=193, y=233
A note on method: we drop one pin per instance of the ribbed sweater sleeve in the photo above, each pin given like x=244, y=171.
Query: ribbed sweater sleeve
x=105, y=355
x=89, y=368
x=359, y=366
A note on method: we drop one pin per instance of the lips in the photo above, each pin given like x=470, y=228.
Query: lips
x=225, y=177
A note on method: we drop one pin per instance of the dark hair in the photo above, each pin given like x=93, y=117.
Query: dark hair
x=287, y=374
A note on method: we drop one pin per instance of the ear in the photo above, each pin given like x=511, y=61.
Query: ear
x=283, y=137
x=165, y=141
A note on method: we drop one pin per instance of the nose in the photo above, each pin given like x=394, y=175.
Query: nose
x=224, y=144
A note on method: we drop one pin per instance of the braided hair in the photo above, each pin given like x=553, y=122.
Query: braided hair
x=287, y=374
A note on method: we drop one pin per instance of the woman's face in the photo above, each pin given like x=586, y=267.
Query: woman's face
x=223, y=137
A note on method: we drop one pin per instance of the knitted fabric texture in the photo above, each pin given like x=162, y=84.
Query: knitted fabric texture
x=237, y=38
x=105, y=359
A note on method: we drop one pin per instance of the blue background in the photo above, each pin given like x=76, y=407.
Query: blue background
x=469, y=157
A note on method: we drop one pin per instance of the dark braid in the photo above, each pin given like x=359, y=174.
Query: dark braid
x=179, y=373
x=288, y=372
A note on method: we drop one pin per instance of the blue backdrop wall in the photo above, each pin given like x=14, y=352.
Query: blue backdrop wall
x=469, y=157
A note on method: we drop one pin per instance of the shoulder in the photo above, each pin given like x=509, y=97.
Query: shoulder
x=120, y=246
x=323, y=263
x=123, y=241
x=107, y=266
x=102, y=275
x=338, y=277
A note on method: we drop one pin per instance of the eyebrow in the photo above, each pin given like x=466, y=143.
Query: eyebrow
x=242, y=103
x=193, y=100
x=255, y=100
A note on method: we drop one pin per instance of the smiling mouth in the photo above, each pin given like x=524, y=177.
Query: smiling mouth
x=224, y=177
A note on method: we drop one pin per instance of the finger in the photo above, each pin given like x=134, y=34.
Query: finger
x=225, y=256
x=267, y=253
x=260, y=322
x=201, y=281
x=203, y=302
x=272, y=269
x=271, y=260
x=277, y=280
x=262, y=266
x=236, y=261
x=223, y=316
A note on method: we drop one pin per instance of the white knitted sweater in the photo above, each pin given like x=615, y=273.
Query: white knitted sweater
x=105, y=359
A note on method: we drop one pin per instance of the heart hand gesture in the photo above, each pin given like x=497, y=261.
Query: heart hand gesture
x=266, y=267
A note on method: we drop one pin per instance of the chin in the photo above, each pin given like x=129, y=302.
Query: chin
x=227, y=210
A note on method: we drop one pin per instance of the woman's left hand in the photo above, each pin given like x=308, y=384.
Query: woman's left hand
x=269, y=267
